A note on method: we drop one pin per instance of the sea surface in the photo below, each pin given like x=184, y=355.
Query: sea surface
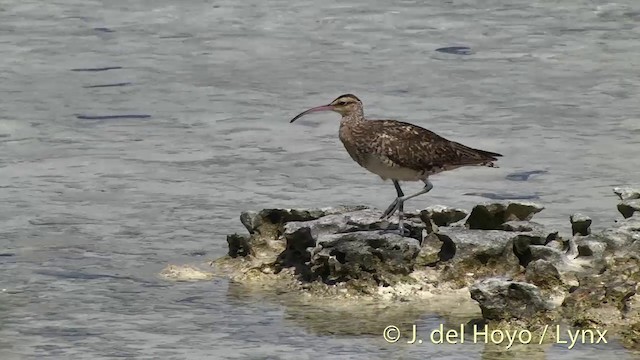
x=133, y=133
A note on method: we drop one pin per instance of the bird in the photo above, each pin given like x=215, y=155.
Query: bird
x=398, y=150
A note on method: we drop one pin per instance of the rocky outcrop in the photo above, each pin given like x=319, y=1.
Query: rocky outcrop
x=513, y=267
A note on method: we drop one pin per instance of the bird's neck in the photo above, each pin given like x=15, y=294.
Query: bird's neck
x=352, y=118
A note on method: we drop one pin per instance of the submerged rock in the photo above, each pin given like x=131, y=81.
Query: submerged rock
x=185, y=273
x=524, y=175
x=580, y=224
x=502, y=299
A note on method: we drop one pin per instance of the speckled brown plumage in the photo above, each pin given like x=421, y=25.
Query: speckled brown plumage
x=410, y=151
x=403, y=145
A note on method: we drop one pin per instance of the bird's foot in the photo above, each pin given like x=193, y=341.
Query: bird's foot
x=399, y=231
x=395, y=205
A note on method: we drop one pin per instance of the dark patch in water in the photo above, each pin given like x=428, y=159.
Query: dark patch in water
x=494, y=196
x=191, y=299
x=83, y=276
x=7, y=254
x=98, y=69
x=524, y=175
x=59, y=221
x=176, y=36
x=106, y=85
x=103, y=29
x=197, y=253
x=112, y=117
x=456, y=50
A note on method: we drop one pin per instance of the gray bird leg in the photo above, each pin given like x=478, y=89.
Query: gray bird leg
x=400, y=207
x=398, y=203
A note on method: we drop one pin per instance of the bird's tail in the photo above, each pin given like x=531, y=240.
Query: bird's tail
x=477, y=157
x=488, y=154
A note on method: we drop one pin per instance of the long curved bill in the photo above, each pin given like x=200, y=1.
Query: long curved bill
x=317, y=108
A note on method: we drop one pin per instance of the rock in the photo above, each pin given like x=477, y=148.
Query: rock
x=469, y=244
x=634, y=249
x=588, y=247
x=522, y=226
x=522, y=210
x=523, y=244
x=238, y=245
x=541, y=252
x=433, y=250
x=580, y=224
x=487, y=217
x=443, y=215
x=360, y=220
x=253, y=221
x=543, y=273
x=379, y=256
x=572, y=249
x=467, y=255
x=628, y=207
x=623, y=234
x=501, y=299
x=604, y=297
x=627, y=193
x=493, y=216
x=631, y=336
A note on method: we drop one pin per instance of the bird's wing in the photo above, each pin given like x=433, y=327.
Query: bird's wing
x=417, y=148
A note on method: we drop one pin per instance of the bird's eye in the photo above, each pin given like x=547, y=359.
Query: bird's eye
x=342, y=103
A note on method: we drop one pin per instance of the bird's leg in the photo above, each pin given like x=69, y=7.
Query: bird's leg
x=398, y=203
x=401, y=218
x=395, y=204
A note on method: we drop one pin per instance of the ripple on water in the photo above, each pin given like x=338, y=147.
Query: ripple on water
x=106, y=68
x=504, y=196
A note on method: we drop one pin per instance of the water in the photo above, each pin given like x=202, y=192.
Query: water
x=132, y=134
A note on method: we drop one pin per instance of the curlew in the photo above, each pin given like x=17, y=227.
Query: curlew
x=398, y=150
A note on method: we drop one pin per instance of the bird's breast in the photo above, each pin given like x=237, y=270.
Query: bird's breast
x=371, y=158
x=387, y=169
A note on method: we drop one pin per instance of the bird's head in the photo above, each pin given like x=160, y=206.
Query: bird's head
x=344, y=105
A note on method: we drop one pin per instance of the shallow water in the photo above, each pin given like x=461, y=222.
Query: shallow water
x=132, y=134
